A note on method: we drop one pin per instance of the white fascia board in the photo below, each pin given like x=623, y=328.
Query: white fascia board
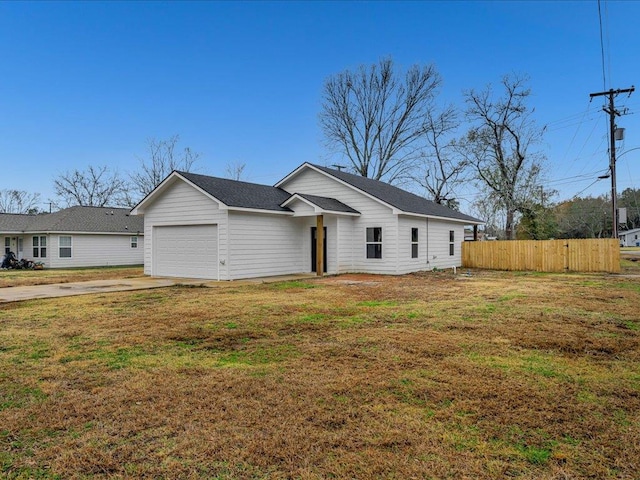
x=292, y=174
x=435, y=217
x=257, y=210
x=346, y=214
x=170, y=180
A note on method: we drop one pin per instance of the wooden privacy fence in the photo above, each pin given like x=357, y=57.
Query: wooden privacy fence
x=591, y=255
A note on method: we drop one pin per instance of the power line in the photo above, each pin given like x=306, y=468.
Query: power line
x=604, y=77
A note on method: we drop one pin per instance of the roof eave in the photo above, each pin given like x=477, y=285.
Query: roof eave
x=258, y=210
x=317, y=209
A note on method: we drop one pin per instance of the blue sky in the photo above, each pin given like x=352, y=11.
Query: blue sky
x=87, y=83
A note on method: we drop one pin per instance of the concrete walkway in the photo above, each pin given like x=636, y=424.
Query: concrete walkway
x=16, y=294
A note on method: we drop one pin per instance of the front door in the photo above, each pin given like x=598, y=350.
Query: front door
x=314, y=251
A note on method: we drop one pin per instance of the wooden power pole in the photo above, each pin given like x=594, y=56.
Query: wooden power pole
x=611, y=110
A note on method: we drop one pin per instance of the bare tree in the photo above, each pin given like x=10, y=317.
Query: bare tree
x=163, y=157
x=18, y=201
x=443, y=167
x=94, y=187
x=500, y=144
x=235, y=170
x=374, y=117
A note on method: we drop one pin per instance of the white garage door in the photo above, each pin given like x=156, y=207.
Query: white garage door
x=189, y=251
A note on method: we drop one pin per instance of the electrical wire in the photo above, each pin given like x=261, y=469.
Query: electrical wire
x=604, y=77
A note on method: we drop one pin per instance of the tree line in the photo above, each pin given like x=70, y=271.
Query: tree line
x=102, y=186
x=580, y=217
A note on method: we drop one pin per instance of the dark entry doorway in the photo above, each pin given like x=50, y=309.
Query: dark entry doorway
x=314, y=251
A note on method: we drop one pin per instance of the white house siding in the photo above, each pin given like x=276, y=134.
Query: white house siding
x=345, y=245
x=262, y=244
x=630, y=238
x=373, y=213
x=181, y=204
x=438, y=244
x=406, y=263
x=92, y=250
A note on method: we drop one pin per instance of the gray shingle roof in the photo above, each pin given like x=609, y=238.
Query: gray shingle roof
x=14, y=222
x=75, y=219
x=329, y=204
x=396, y=197
x=234, y=193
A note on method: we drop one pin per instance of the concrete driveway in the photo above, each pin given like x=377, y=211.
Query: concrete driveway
x=16, y=294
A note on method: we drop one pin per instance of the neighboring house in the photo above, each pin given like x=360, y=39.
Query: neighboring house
x=75, y=237
x=206, y=227
x=630, y=238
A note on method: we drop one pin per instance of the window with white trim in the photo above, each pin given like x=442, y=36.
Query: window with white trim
x=134, y=241
x=374, y=242
x=7, y=245
x=414, y=243
x=39, y=247
x=452, y=247
x=65, y=245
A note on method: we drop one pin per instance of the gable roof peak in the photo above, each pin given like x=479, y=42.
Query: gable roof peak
x=402, y=200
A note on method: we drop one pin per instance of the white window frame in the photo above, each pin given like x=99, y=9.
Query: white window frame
x=133, y=241
x=60, y=246
x=414, y=243
x=39, y=243
x=7, y=245
x=452, y=244
x=373, y=243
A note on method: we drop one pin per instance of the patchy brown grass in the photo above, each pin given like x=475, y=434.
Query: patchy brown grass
x=485, y=376
x=17, y=278
x=630, y=260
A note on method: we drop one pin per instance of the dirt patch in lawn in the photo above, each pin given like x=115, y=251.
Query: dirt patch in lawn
x=481, y=375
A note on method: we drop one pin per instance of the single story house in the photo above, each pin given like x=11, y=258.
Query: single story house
x=630, y=238
x=75, y=237
x=315, y=218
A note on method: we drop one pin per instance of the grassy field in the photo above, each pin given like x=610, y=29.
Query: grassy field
x=16, y=278
x=485, y=376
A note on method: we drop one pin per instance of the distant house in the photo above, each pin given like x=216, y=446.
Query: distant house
x=206, y=227
x=630, y=238
x=75, y=237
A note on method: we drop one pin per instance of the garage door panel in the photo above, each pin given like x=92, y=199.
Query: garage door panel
x=186, y=251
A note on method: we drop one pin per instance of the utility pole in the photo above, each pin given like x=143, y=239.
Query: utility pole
x=611, y=110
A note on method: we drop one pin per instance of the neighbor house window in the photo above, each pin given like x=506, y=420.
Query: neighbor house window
x=7, y=245
x=414, y=243
x=452, y=247
x=374, y=242
x=39, y=247
x=65, y=247
x=134, y=242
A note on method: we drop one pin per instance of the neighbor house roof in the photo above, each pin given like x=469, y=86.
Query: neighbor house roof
x=402, y=200
x=74, y=219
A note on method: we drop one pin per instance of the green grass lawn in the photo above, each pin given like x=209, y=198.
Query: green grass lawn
x=493, y=375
